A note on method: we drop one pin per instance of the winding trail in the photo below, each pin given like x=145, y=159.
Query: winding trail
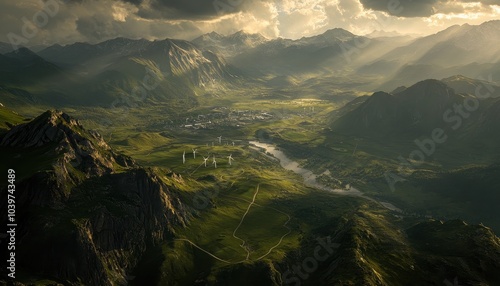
x=282, y=237
x=243, y=242
x=284, y=225
x=251, y=203
x=196, y=169
x=195, y=245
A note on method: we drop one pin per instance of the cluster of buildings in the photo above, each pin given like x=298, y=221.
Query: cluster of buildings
x=219, y=117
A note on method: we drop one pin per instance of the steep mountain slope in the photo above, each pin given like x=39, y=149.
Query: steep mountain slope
x=415, y=110
x=333, y=49
x=5, y=48
x=230, y=45
x=138, y=72
x=471, y=50
x=336, y=50
x=28, y=79
x=172, y=57
x=79, y=201
x=81, y=53
x=456, y=45
x=462, y=84
x=23, y=66
x=15, y=96
x=468, y=192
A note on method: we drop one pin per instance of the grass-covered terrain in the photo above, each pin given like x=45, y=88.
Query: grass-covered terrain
x=253, y=216
x=283, y=211
x=8, y=117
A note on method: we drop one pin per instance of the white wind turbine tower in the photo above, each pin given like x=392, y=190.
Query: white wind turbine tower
x=205, y=160
x=230, y=159
x=214, y=162
x=184, y=157
x=194, y=153
x=220, y=139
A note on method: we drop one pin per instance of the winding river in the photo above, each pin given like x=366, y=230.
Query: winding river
x=309, y=176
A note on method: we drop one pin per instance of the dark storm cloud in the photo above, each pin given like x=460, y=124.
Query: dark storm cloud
x=187, y=9
x=426, y=8
x=96, y=29
x=135, y=2
x=486, y=2
x=99, y=20
x=402, y=8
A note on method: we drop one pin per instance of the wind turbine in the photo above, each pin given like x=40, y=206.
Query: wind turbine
x=214, y=162
x=194, y=153
x=220, y=139
x=205, y=160
x=230, y=158
x=184, y=157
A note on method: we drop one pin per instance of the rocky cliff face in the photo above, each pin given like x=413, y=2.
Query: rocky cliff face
x=89, y=217
x=200, y=67
x=76, y=154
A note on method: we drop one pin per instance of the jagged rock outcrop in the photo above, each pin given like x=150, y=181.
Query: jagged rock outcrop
x=84, y=150
x=91, y=215
x=76, y=154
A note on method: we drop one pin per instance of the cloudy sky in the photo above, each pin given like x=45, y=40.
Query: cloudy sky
x=34, y=22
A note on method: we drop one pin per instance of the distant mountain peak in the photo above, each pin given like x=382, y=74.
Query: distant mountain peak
x=22, y=53
x=491, y=23
x=229, y=45
x=411, y=111
x=241, y=34
x=214, y=34
x=428, y=87
x=399, y=89
x=338, y=33
x=430, y=82
x=382, y=95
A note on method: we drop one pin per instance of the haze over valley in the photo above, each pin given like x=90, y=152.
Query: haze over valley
x=251, y=143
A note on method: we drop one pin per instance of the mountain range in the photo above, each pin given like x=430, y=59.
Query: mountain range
x=429, y=117
x=113, y=70
x=230, y=45
x=118, y=70
x=455, y=104
x=467, y=49
x=359, y=102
